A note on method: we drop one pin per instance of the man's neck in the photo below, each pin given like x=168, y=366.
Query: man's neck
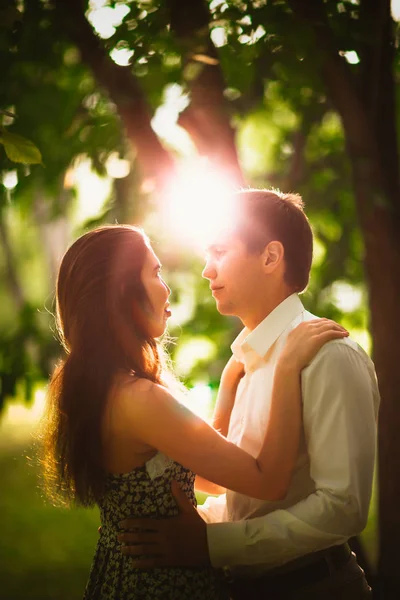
x=258, y=314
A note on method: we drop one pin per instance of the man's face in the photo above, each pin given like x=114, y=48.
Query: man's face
x=237, y=278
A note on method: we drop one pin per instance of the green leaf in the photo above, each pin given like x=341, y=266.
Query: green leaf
x=19, y=149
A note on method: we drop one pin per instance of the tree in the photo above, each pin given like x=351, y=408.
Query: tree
x=367, y=107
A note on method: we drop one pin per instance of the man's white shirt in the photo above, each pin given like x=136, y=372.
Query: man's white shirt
x=331, y=486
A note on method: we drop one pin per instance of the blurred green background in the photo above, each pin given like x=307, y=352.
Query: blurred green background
x=108, y=96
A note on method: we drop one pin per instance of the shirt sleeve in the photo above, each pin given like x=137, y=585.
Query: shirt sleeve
x=340, y=399
x=214, y=509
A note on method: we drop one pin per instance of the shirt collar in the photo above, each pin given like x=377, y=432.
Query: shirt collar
x=267, y=332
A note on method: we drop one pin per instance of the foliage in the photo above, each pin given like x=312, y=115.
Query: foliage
x=19, y=149
x=288, y=136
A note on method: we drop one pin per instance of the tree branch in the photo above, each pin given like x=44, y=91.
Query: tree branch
x=122, y=87
x=207, y=118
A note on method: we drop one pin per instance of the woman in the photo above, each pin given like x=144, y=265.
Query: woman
x=117, y=435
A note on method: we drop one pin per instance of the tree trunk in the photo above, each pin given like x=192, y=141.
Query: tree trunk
x=382, y=241
x=207, y=118
x=382, y=261
x=367, y=112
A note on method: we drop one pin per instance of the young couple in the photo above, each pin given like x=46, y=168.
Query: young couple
x=293, y=436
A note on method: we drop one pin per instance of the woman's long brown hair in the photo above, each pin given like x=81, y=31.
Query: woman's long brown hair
x=100, y=302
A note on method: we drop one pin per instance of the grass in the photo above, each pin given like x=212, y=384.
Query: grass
x=46, y=552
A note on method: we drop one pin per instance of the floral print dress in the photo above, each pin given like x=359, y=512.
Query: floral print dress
x=145, y=492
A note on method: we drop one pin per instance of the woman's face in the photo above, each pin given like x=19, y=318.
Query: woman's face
x=157, y=293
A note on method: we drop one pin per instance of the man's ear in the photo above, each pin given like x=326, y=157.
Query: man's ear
x=273, y=256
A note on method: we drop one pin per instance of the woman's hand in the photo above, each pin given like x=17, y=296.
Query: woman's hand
x=305, y=341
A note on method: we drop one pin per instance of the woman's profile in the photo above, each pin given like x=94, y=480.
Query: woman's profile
x=115, y=433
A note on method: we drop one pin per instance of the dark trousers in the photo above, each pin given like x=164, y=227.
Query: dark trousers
x=341, y=582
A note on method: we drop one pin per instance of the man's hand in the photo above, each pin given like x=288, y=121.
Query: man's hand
x=177, y=541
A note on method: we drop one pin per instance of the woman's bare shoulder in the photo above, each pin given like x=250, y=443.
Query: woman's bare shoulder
x=139, y=389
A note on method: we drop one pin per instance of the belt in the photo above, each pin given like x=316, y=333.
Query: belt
x=325, y=563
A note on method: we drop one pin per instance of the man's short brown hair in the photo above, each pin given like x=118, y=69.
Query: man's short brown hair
x=270, y=215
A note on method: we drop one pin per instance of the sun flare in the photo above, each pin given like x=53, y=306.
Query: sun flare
x=199, y=204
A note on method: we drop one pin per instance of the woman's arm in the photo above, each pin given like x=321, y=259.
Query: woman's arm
x=154, y=417
x=208, y=487
x=230, y=377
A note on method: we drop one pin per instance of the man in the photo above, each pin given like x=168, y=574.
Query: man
x=295, y=548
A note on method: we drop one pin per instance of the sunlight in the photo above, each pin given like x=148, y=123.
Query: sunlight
x=395, y=8
x=197, y=348
x=105, y=19
x=22, y=414
x=346, y=297
x=199, y=204
x=19, y=421
x=221, y=4
x=10, y=179
x=219, y=36
x=351, y=56
x=117, y=167
x=165, y=119
x=319, y=252
x=92, y=190
x=362, y=337
x=121, y=56
x=199, y=400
